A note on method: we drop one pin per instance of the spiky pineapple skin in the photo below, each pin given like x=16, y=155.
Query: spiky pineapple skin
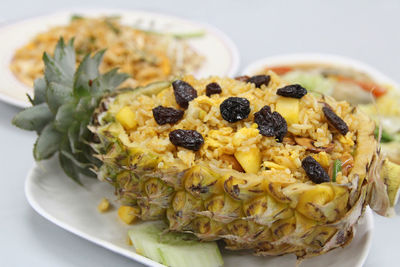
x=245, y=210
x=62, y=106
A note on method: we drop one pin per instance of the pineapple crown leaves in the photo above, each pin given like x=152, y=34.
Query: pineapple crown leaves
x=63, y=103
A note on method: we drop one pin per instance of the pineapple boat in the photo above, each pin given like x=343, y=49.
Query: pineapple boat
x=255, y=162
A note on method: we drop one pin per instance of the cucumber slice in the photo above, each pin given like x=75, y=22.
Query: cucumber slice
x=173, y=249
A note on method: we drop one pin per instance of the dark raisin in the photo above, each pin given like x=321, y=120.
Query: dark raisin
x=189, y=139
x=243, y=78
x=184, y=93
x=164, y=115
x=271, y=123
x=234, y=109
x=335, y=120
x=259, y=80
x=314, y=170
x=294, y=90
x=213, y=88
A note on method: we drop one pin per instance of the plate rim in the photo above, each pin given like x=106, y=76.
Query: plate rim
x=81, y=234
x=223, y=38
x=330, y=58
x=131, y=254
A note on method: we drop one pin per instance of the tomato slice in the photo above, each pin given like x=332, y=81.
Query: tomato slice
x=280, y=70
x=375, y=89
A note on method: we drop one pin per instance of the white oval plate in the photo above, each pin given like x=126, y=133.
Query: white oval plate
x=221, y=54
x=74, y=208
x=335, y=60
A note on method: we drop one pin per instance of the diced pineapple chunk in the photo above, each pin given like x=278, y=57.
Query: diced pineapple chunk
x=250, y=160
x=127, y=118
x=128, y=214
x=104, y=205
x=289, y=109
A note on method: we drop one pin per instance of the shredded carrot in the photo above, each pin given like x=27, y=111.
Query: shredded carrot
x=374, y=88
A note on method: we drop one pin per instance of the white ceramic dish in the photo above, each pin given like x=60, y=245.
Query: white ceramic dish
x=74, y=208
x=292, y=59
x=221, y=55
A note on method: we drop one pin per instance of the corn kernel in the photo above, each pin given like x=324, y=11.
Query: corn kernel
x=202, y=114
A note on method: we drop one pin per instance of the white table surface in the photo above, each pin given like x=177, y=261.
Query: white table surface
x=366, y=30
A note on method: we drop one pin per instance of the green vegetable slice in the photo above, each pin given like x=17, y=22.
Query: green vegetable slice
x=337, y=167
x=173, y=249
x=385, y=137
x=313, y=82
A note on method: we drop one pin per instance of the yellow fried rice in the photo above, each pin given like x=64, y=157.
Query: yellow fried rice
x=224, y=138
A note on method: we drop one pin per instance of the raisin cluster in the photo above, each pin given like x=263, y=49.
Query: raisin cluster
x=164, y=115
x=314, y=170
x=189, y=139
x=234, y=109
x=335, y=120
x=259, y=80
x=271, y=123
x=294, y=91
x=184, y=93
x=212, y=89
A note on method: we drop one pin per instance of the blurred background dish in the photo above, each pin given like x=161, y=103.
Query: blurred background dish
x=152, y=42
x=344, y=79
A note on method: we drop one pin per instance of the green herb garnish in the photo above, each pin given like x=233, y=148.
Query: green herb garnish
x=385, y=137
x=337, y=167
x=184, y=35
x=76, y=16
x=112, y=26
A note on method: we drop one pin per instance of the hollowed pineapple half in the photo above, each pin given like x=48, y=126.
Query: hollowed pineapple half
x=269, y=210
x=242, y=187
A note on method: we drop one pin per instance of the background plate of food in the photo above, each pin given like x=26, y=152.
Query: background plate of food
x=344, y=79
x=148, y=46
